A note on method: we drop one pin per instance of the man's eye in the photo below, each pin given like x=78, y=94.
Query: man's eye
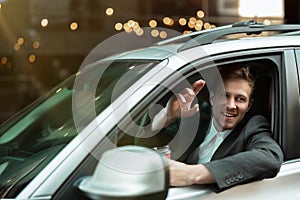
x=240, y=99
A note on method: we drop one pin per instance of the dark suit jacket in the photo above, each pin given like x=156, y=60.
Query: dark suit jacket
x=248, y=153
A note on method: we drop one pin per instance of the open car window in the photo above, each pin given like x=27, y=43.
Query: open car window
x=265, y=72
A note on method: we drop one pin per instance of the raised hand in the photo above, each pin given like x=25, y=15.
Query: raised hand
x=179, y=106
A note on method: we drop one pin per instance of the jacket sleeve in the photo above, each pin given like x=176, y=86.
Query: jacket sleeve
x=254, y=156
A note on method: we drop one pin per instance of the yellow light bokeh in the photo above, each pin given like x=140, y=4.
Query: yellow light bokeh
x=199, y=22
x=163, y=34
x=16, y=47
x=44, y=22
x=118, y=26
x=193, y=20
x=109, y=11
x=168, y=21
x=31, y=58
x=186, y=32
x=131, y=23
x=200, y=14
x=127, y=28
x=206, y=25
x=36, y=44
x=152, y=23
x=136, y=28
x=74, y=26
x=182, y=21
x=139, y=32
x=198, y=27
x=4, y=60
x=191, y=25
x=155, y=33
x=20, y=41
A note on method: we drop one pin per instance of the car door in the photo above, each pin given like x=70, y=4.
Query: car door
x=280, y=59
x=285, y=112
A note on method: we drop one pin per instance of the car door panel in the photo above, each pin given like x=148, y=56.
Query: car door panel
x=285, y=184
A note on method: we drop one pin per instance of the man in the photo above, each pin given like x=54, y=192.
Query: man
x=235, y=149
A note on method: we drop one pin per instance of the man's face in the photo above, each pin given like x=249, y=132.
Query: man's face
x=230, y=104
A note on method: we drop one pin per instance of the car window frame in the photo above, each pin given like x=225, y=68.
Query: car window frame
x=275, y=57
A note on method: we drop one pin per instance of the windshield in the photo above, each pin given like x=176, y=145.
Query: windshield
x=30, y=140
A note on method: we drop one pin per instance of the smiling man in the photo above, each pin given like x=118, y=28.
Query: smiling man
x=235, y=149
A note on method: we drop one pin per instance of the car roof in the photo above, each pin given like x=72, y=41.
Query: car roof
x=284, y=34
x=250, y=44
x=149, y=53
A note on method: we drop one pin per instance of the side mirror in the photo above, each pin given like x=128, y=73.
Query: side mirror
x=128, y=172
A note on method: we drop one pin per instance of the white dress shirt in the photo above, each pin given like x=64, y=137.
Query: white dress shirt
x=211, y=143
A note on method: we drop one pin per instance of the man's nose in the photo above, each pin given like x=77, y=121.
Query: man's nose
x=231, y=103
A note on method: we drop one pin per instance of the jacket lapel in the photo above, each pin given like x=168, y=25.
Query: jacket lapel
x=226, y=145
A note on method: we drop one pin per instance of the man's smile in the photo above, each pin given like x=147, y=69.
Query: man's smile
x=229, y=114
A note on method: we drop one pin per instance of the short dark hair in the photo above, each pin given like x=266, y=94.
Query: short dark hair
x=238, y=71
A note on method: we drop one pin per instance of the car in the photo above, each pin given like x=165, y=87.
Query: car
x=77, y=141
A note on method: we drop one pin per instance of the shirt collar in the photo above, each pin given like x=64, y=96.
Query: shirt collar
x=223, y=134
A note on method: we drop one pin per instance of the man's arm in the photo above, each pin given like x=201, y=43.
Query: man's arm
x=182, y=174
x=253, y=155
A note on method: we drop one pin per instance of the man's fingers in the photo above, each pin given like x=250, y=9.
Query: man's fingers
x=181, y=98
x=188, y=94
x=190, y=91
x=198, y=85
x=195, y=108
x=193, y=91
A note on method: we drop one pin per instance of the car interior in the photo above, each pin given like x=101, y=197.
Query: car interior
x=262, y=104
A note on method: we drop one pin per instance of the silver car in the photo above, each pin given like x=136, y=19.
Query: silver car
x=77, y=142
